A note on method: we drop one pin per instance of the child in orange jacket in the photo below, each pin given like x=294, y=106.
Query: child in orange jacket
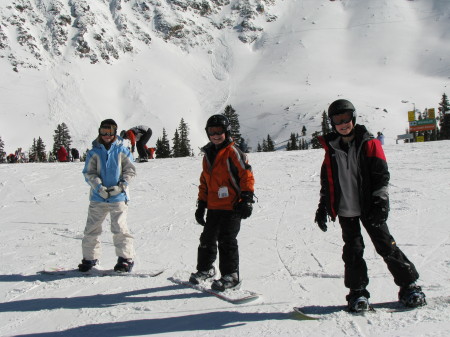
x=226, y=190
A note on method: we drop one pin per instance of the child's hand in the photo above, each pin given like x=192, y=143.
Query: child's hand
x=103, y=192
x=114, y=190
x=379, y=212
x=321, y=217
x=200, y=212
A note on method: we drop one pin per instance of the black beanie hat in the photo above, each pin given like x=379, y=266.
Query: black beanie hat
x=108, y=122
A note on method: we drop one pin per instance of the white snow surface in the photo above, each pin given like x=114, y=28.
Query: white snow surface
x=283, y=254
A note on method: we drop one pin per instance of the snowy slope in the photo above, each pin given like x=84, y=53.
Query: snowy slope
x=279, y=63
x=284, y=256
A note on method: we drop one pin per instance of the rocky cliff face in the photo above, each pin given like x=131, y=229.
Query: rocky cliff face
x=35, y=33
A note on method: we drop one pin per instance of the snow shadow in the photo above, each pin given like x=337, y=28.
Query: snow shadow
x=97, y=300
x=211, y=321
x=25, y=278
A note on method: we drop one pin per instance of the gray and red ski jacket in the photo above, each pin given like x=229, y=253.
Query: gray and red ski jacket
x=373, y=173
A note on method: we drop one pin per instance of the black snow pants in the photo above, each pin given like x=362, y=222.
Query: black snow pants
x=140, y=144
x=355, y=277
x=221, y=229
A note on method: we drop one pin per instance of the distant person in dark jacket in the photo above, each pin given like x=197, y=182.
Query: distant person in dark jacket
x=138, y=137
x=11, y=158
x=75, y=155
x=354, y=188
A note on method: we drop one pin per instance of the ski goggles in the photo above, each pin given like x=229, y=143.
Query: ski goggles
x=343, y=118
x=215, y=131
x=107, y=131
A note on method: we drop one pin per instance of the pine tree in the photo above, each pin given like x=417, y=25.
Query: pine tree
x=270, y=144
x=163, y=146
x=185, y=144
x=326, y=128
x=2, y=151
x=37, y=151
x=181, y=142
x=259, y=148
x=293, y=143
x=444, y=116
x=233, y=118
x=315, y=141
x=32, y=153
x=40, y=150
x=305, y=145
x=264, y=146
x=176, y=145
x=61, y=138
x=304, y=131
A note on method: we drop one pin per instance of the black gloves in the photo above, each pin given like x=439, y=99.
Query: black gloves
x=244, y=207
x=321, y=217
x=200, y=212
x=379, y=212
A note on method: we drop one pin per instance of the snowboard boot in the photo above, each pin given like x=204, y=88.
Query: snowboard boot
x=412, y=296
x=229, y=281
x=87, y=265
x=202, y=275
x=358, y=300
x=124, y=265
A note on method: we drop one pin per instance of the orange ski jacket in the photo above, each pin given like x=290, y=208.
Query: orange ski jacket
x=226, y=173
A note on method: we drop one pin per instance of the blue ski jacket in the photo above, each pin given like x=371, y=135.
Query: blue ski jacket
x=109, y=167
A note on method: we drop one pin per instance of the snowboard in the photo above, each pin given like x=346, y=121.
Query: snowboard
x=94, y=272
x=234, y=296
x=317, y=312
x=307, y=313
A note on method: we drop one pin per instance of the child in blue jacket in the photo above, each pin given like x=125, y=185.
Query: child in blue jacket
x=108, y=170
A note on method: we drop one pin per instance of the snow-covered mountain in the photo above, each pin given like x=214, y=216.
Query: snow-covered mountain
x=279, y=63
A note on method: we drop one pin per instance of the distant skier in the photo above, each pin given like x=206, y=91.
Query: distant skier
x=354, y=187
x=151, y=152
x=226, y=190
x=380, y=137
x=62, y=154
x=108, y=170
x=138, y=136
x=11, y=158
x=75, y=155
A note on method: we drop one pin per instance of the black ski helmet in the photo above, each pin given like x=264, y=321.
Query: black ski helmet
x=219, y=120
x=341, y=106
x=108, y=124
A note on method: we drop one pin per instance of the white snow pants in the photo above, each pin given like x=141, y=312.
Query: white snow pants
x=123, y=240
